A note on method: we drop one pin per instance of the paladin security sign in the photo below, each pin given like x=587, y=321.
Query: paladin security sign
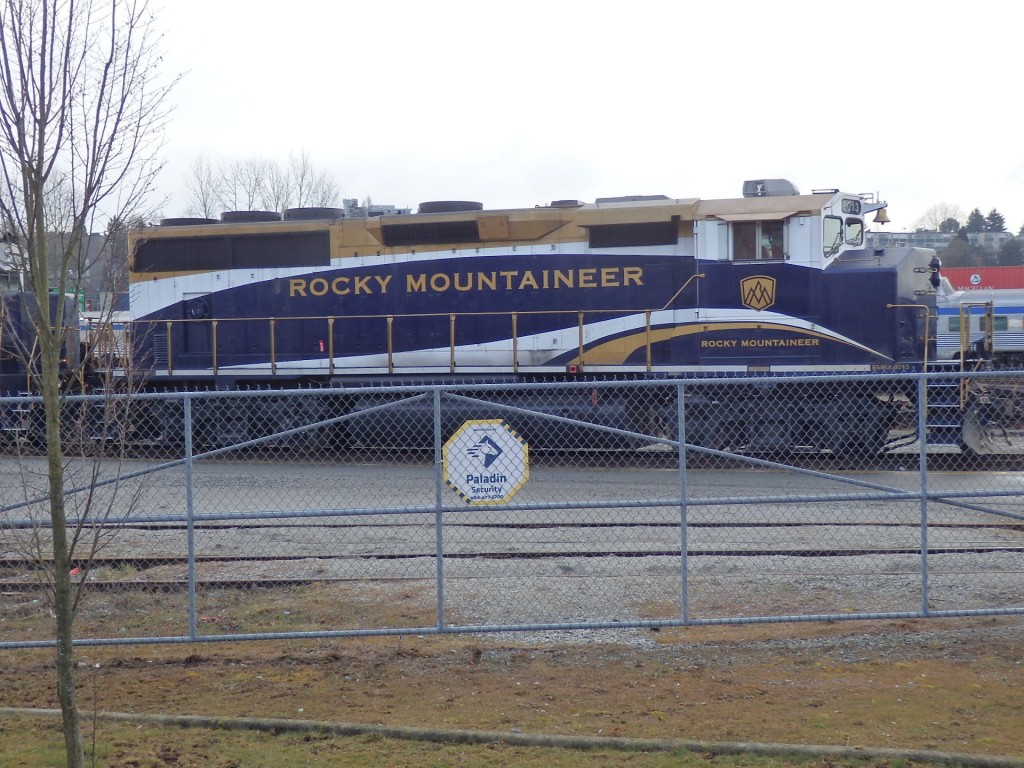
x=486, y=462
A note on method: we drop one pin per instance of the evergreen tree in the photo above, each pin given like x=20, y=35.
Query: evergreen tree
x=975, y=222
x=949, y=226
x=995, y=222
x=1011, y=254
x=957, y=254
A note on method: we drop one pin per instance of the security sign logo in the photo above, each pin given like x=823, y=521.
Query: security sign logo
x=486, y=450
x=757, y=291
x=486, y=462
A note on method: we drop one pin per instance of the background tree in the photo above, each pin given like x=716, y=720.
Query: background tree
x=114, y=257
x=312, y=187
x=1011, y=253
x=957, y=254
x=995, y=222
x=937, y=215
x=961, y=253
x=202, y=187
x=243, y=185
x=278, y=189
x=949, y=226
x=975, y=222
x=258, y=184
x=81, y=121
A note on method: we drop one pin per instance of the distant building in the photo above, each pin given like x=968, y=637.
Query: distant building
x=353, y=208
x=990, y=241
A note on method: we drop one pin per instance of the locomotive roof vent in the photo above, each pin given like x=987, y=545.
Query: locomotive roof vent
x=185, y=221
x=769, y=188
x=312, y=213
x=631, y=198
x=237, y=217
x=450, y=206
x=566, y=204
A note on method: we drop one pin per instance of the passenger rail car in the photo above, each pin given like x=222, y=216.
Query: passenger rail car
x=962, y=319
x=769, y=284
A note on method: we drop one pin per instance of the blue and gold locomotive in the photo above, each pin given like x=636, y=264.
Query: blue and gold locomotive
x=761, y=287
x=770, y=282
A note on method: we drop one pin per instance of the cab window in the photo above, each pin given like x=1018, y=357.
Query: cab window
x=832, y=235
x=758, y=240
x=854, y=232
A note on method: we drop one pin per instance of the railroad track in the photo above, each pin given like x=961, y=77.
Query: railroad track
x=133, y=572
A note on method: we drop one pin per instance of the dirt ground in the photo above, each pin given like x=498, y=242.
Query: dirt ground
x=942, y=684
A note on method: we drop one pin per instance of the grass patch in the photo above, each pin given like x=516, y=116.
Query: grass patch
x=949, y=685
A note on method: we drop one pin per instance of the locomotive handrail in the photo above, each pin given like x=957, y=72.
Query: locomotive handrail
x=690, y=279
x=328, y=346
x=988, y=329
x=988, y=337
x=391, y=346
x=451, y=343
x=170, y=349
x=214, y=348
x=515, y=342
x=273, y=347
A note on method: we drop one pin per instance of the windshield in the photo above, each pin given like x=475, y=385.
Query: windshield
x=833, y=235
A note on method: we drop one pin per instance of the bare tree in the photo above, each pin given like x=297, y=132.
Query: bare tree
x=81, y=121
x=325, y=191
x=278, y=191
x=113, y=258
x=203, y=185
x=311, y=187
x=243, y=185
x=258, y=183
x=938, y=214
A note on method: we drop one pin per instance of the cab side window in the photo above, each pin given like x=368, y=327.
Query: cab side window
x=744, y=241
x=758, y=240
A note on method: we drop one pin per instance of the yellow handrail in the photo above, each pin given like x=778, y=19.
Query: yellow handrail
x=218, y=360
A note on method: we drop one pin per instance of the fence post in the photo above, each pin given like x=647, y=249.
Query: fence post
x=190, y=531
x=922, y=431
x=438, y=515
x=684, y=512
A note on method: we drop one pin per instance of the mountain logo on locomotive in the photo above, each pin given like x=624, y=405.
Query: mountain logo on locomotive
x=758, y=292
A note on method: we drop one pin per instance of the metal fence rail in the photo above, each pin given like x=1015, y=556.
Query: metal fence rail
x=507, y=507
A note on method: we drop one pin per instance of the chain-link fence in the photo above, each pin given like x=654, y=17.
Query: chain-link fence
x=275, y=514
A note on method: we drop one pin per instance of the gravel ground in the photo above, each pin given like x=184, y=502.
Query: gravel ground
x=593, y=566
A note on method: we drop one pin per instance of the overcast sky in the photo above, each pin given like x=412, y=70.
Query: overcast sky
x=520, y=103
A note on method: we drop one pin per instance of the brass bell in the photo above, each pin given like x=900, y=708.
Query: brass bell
x=881, y=217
